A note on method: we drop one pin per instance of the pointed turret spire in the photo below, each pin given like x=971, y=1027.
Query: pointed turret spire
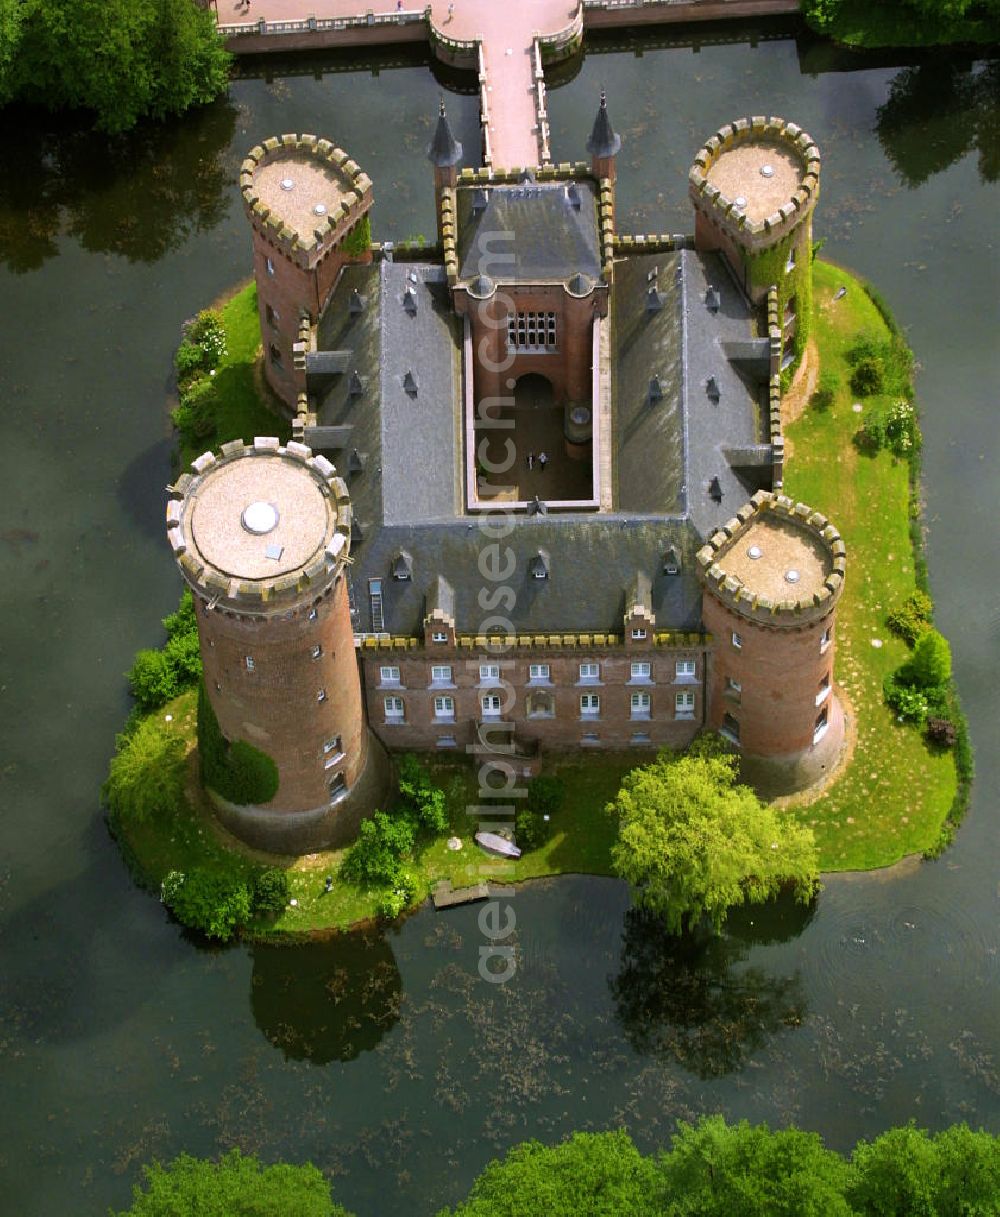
x=603, y=141
x=444, y=151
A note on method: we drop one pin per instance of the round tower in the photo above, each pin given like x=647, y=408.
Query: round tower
x=261, y=534
x=308, y=205
x=754, y=185
x=772, y=577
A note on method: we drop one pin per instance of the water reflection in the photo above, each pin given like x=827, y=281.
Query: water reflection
x=138, y=195
x=688, y=998
x=326, y=1001
x=937, y=112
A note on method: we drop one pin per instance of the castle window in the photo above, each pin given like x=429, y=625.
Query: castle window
x=790, y=305
x=824, y=690
x=313, y=614
x=439, y=636
x=733, y=689
x=333, y=752
x=641, y=737
x=826, y=639
x=489, y=673
x=490, y=703
x=737, y=640
x=337, y=787
x=822, y=722
x=441, y=674
x=589, y=738
x=447, y=741
x=641, y=673
x=640, y=703
x=590, y=705
x=590, y=673
x=731, y=728
x=394, y=710
x=638, y=633
x=531, y=332
x=272, y=316
x=684, y=705
x=538, y=673
x=269, y=266
x=275, y=354
x=321, y=695
x=541, y=705
x=790, y=264
x=249, y=663
x=388, y=674
x=316, y=651
x=684, y=670
x=444, y=707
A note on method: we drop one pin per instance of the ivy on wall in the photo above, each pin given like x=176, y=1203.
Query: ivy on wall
x=237, y=771
x=359, y=239
x=768, y=267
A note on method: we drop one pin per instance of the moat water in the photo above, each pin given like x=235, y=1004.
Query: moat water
x=384, y=1058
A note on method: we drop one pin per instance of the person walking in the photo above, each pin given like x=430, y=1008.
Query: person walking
x=543, y=460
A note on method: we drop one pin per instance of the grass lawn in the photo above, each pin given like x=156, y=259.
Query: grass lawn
x=896, y=791
x=240, y=408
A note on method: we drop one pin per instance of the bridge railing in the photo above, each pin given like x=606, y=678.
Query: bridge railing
x=313, y=24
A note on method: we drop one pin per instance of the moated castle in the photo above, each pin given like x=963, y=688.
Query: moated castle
x=533, y=502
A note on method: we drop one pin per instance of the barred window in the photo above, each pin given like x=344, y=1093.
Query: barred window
x=531, y=331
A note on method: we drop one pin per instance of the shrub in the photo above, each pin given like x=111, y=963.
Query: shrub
x=269, y=890
x=237, y=771
x=359, y=238
x=546, y=794
x=826, y=392
x=182, y=620
x=146, y=776
x=188, y=359
x=376, y=856
x=398, y=898
x=204, y=900
x=183, y=655
x=942, y=731
x=208, y=333
x=868, y=376
x=912, y=618
x=930, y=665
x=909, y=704
x=531, y=829
x=423, y=802
x=195, y=416
x=152, y=680
x=894, y=428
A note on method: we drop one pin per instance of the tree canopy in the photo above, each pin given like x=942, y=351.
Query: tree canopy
x=692, y=843
x=235, y=1186
x=122, y=59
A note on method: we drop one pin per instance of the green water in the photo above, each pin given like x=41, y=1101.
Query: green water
x=385, y=1059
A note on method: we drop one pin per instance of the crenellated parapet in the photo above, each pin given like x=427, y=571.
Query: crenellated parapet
x=259, y=526
x=303, y=194
x=776, y=562
x=757, y=178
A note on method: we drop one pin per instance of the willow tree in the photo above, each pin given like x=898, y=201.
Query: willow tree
x=693, y=844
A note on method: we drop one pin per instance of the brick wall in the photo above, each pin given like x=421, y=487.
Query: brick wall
x=274, y=703
x=780, y=672
x=546, y=711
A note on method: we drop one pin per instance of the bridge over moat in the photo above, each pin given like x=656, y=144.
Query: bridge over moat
x=506, y=43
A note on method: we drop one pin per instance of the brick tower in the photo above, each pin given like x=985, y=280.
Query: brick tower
x=261, y=534
x=771, y=579
x=308, y=205
x=754, y=186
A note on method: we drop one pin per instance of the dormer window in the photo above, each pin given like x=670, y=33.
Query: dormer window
x=638, y=633
x=538, y=567
x=672, y=561
x=439, y=636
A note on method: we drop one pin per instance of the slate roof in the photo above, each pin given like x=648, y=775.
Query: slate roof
x=444, y=150
x=603, y=141
x=551, y=238
x=407, y=495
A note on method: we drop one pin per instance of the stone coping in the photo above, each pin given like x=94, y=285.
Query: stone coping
x=225, y=562
x=336, y=181
x=820, y=552
x=757, y=225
